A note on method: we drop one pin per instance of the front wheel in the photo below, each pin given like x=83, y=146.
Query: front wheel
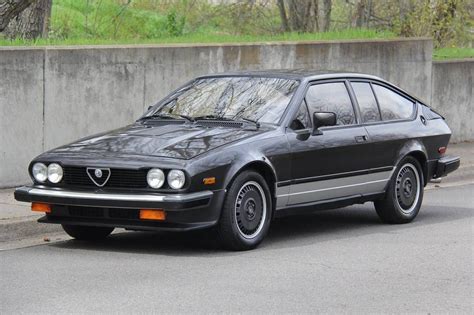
x=404, y=194
x=87, y=233
x=246, y=213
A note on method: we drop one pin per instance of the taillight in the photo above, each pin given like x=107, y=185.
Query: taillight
x=442, y=150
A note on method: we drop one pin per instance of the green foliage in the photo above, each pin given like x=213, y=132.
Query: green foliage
x=181, y=21
x=210, y=38
x=453, y=53
x=175, y=23
x=104, y=19
x=444, y=20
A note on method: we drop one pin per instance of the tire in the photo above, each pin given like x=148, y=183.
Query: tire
x=404, y=194
x=87, y=233
x=246, y=212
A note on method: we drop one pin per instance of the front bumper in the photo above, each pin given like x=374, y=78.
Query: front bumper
x=120, y=209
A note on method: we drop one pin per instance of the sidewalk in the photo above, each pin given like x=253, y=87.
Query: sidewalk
x=18, y=222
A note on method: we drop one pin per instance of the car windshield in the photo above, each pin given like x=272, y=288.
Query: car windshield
x=245, y=98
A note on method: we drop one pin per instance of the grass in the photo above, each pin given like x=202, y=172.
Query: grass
x=110, y=22
x=206, y=38
x=453, y=53
x=114, y=22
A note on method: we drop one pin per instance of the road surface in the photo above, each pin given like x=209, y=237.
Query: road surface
x=333, y=261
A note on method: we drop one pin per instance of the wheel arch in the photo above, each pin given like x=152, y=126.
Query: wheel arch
x=261, y=167
x=417, y=150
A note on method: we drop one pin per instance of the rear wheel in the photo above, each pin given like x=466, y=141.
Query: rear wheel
x=404, y=195
x=246, y=213
x=87, y=233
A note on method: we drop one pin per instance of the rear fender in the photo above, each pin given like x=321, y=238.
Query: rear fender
x=418, y=150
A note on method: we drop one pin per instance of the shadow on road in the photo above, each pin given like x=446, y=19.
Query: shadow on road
x=293, y=231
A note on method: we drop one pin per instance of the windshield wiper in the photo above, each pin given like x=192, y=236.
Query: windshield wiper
x=257, y=124
x=168, y=116
x=188, y=118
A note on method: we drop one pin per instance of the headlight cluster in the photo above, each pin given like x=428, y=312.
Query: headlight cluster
x=53, y=172
x=156, y=178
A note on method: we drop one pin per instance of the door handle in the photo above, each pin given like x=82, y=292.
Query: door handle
x=363, y=138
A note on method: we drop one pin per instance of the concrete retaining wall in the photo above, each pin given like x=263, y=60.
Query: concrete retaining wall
x=452, y=89
x=51, y=96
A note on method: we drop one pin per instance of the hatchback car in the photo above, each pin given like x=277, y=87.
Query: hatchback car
x=233, y=151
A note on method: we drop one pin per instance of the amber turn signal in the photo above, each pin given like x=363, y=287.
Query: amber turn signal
x=41, y=207
x=148, y=214
x=209, y=181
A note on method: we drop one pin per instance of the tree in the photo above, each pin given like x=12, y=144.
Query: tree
x=10, y=9
x=25, y=18
x=305, y=15
x=325, y=19
x=363, y=12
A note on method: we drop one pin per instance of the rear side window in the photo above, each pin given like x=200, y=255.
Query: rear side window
x=331, y=97
x=367, y=103
x=392, y=105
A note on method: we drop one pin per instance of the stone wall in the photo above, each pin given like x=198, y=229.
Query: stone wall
x=452, y=91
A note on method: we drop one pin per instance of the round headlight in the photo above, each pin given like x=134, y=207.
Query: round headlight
x=40, y=172
x=155, y=178
x=55, y=173
x=176, y=179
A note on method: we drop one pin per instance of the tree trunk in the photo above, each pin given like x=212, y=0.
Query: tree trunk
x=359, y=17
x=303, y=15
x=283, y=16
x=9, y=9
x=326, y=15
x=368, y=12
x=405, y=9
x=32, y=23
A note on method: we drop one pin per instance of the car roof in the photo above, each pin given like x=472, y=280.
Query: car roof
x=306, y=74
x=297, y=74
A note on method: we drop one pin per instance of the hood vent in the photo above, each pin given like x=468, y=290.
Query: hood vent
x=219, y=123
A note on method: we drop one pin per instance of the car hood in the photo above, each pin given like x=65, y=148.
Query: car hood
x=181, y=141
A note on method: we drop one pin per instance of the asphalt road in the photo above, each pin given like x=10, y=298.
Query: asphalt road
x=334, y=261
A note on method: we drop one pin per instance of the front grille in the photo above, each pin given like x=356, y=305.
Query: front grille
x=128, y=214
x=93, y=212
x=78, y=211
x=119, y=178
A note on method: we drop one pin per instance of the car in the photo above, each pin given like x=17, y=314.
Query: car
x=232, y=151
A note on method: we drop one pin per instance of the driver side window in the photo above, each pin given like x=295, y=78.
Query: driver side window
x=331, y=97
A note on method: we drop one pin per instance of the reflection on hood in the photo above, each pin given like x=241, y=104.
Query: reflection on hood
x=171, y=140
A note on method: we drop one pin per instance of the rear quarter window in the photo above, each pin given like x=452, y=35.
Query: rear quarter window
x=393, y=106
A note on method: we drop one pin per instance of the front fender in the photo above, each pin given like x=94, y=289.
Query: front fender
x=223, y=168
x=253, y=160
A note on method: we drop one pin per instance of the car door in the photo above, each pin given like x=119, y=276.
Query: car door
x=332, y=164
x=388, y=129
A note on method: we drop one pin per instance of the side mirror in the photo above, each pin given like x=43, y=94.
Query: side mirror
x=149, y=107
x=322, y=119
